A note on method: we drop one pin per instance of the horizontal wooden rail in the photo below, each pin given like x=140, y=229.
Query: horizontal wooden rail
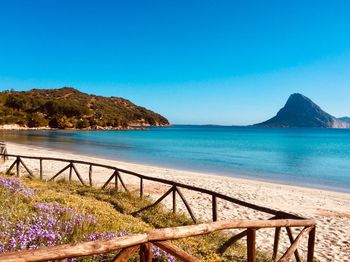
x=75, y=250
x=64, y=160
x=156, y=235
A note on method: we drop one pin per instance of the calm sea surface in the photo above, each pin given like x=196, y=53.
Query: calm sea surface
x=311, y=157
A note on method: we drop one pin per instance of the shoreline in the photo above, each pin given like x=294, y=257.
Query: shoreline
x=330, y=209
x=236, y=177
x=17, y=127
x=239, y=176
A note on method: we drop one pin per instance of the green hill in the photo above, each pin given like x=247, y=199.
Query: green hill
x=69, y=108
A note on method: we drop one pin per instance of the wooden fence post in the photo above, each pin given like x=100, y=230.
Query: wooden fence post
x=251, y=249
x=311, y=245
x=141, y=187
x=90, y=175
x=70, y=171
x=17, y=165
x=276, y=243
x=174, y=199
x=146, y=252
x=116, y=176
x=214, y=208
x=41, y=169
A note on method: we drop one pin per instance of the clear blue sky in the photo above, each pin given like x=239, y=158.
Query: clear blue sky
x=215, y=62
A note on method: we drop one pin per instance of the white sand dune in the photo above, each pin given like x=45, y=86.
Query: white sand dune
x=330, y=209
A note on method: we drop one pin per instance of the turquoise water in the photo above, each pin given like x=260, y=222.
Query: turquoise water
x=311, y=157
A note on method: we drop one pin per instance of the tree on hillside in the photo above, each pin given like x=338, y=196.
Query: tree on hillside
x=16, y=101
x=36, y=120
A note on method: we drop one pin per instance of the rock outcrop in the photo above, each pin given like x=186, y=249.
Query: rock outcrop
x=300, y=111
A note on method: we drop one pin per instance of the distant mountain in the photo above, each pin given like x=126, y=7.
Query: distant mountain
x=69, y=108
x=344, y=119
x=300, y=111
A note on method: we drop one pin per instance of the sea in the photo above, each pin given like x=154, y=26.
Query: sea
x=310, y=157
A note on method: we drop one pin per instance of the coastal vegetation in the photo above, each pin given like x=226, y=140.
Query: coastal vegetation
x=35, y=214
x=69, y=108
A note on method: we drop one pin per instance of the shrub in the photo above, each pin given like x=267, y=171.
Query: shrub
x=61, y=122
x=36, y=120
x=82, y=123
x=16, y=101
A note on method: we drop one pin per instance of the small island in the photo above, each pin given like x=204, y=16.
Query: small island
x=68, y=108
x=301, y=111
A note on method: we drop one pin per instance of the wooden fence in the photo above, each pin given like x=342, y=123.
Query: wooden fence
x=3, y=151
x=278, y=219
x=161, y=237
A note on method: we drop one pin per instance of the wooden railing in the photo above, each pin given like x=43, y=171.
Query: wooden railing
x=161, y=237
x=3, y=150
x=279, y=219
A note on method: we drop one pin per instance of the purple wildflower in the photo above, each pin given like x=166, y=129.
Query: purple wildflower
x=73, y=259
x=161, y=255
x=53, y=224
x=16, y=186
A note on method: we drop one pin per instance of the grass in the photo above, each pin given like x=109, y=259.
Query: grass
x=111, y=210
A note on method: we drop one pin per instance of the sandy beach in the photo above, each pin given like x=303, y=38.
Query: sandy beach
x=330, y=209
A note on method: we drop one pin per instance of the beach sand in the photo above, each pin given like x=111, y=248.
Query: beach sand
x=330, y=209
